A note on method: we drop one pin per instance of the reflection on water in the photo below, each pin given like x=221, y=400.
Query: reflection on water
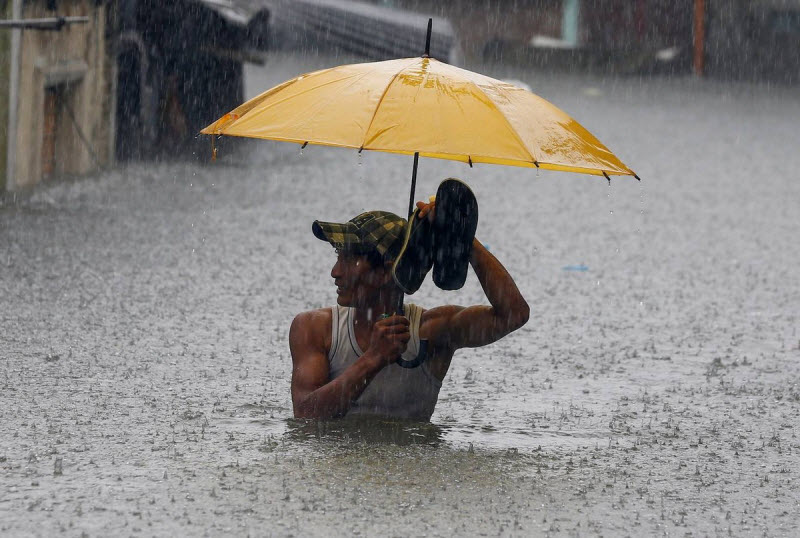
x=364, y=430
x=259, y=419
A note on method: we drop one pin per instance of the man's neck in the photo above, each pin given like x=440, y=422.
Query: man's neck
x=367, y=315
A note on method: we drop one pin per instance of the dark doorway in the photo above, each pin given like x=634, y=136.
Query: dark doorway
x=129, y=106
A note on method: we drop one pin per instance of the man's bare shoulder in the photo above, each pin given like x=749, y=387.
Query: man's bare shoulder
x=314, y=317
x=439, y=313
x=313, y=326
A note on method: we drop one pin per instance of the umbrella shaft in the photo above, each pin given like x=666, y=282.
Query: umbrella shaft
x=410, y=211
x=413, y=185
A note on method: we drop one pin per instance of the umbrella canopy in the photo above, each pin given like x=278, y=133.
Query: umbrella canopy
x=421, y=105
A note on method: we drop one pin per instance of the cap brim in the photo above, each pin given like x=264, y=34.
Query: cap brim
x=340, y=235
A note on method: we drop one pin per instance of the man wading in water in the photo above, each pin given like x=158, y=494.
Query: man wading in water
x=345, y=358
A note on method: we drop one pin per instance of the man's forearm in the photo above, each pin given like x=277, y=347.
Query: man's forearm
x=335, y=398
x=499, y=287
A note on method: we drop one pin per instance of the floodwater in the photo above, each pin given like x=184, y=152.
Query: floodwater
x=144, y=364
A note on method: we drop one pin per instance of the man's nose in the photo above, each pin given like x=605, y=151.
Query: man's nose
x=336, y=270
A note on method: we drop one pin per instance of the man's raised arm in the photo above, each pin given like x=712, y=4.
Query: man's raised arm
x=479, y=325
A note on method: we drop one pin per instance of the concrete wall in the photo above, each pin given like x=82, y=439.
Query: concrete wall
x=5, y=67
x=75, y=60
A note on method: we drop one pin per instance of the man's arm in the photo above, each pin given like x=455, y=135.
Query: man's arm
x=313, y=395
x=475, y=326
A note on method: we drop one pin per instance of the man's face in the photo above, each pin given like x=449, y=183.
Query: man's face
x=357, y=281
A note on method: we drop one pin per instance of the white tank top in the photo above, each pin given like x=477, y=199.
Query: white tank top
x=395, y=391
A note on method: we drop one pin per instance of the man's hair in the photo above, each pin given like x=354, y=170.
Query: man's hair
x=375, y=258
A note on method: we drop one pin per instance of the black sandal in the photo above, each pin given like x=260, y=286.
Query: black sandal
x=453, y=232
x=416, y=255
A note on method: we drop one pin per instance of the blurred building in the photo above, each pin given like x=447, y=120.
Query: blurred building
x=374, y=32
x=86, y=82
x=573, y=33
x=180, y=67
x=559, y=33
x=752, y=39
x=5, y=86
x=57, y=92
x=139, y=78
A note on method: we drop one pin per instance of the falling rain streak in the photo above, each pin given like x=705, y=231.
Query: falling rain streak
x=144, y=377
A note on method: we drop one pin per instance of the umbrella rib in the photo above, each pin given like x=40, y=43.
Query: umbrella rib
x=508, y=124
x=378, y=106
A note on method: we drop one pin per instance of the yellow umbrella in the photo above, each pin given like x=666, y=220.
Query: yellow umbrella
x=421, y=105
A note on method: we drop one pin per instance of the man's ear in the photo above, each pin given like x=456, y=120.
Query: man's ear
x=387, y=272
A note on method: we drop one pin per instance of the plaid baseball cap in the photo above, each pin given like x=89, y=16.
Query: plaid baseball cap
x=374, y=230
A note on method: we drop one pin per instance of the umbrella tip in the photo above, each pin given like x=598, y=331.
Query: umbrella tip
x=428, y=38
x=607, y=177
x=637, y=177
x=470, y=161
x=304, y=145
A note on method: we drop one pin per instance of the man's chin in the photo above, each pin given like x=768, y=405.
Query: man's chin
x=349, y=300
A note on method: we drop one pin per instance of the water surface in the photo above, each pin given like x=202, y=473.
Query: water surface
x=144, y=364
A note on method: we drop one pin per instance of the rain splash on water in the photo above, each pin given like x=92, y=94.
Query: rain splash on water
x=144, y=381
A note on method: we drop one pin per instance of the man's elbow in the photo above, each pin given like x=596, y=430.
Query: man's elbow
x=302, y=406
x=307, y=412
x=305, y=408
x=520, y=316
x=308, y=408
